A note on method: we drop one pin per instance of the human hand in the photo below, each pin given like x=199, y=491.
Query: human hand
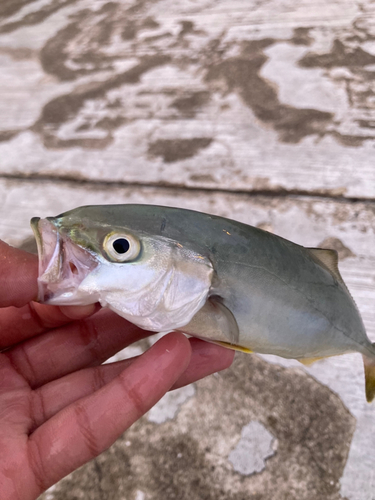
x=59, y=407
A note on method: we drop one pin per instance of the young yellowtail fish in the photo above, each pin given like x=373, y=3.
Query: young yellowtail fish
x=217, y=279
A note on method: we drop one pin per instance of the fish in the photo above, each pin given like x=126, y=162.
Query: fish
x=214, y=278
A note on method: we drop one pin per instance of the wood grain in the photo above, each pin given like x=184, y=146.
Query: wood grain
x=250, y=96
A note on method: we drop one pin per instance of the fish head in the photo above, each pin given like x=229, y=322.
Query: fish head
x=155, y=282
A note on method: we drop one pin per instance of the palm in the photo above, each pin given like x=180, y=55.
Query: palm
x=59, y=407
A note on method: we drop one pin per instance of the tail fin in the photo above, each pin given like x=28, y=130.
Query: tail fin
x=369, y=364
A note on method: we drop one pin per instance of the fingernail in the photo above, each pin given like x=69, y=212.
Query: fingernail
x=79, y=312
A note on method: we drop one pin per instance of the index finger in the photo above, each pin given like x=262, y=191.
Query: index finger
x=18, y=276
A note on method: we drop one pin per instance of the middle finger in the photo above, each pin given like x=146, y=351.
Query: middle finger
x=87, y=342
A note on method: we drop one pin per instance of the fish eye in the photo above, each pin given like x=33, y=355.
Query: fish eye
x=121, y=247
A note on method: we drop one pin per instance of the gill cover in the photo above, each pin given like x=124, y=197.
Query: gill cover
x=160, y=291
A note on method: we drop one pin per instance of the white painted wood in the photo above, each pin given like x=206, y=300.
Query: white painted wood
x=207, y=94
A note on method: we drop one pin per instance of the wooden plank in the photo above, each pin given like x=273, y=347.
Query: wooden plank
x=250, y=96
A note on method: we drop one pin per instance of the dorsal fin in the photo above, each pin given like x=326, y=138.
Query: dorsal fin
x=330, y=260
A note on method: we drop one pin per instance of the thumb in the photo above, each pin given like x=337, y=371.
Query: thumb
x=18, y=276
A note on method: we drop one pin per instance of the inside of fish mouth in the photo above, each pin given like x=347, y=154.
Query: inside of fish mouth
x=73, y=267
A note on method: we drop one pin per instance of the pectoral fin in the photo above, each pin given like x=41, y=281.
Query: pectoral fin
x=369, y=365
x=214, y=322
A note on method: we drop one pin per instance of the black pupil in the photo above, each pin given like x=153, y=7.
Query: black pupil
x=121, y=245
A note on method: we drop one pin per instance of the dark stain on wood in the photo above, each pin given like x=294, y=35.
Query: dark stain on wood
x=340, y=55
x=191, y=102
x=64, y=108
x=336, y=244
x=301, y=36
x=10, y=7
x=172, y=150
x=133, y=27
x=19, y=53
x=6, y=135
x=94, y=30
x=242, y=74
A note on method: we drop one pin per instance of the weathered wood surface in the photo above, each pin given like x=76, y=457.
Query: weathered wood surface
x=235, y=95
x=199, y=104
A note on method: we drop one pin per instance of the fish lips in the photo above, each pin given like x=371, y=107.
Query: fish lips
x=63, y=265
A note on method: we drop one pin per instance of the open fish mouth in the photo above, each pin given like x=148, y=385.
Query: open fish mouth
x=63, y=266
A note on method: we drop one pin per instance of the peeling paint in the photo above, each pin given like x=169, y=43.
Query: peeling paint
x=168, y=406
x=254, y=448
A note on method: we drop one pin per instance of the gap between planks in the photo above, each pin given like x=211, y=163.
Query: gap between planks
x=107, y=184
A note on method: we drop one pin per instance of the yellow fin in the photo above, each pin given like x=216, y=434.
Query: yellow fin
x=309, y=361
x=234, y=347
x=369, y=365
